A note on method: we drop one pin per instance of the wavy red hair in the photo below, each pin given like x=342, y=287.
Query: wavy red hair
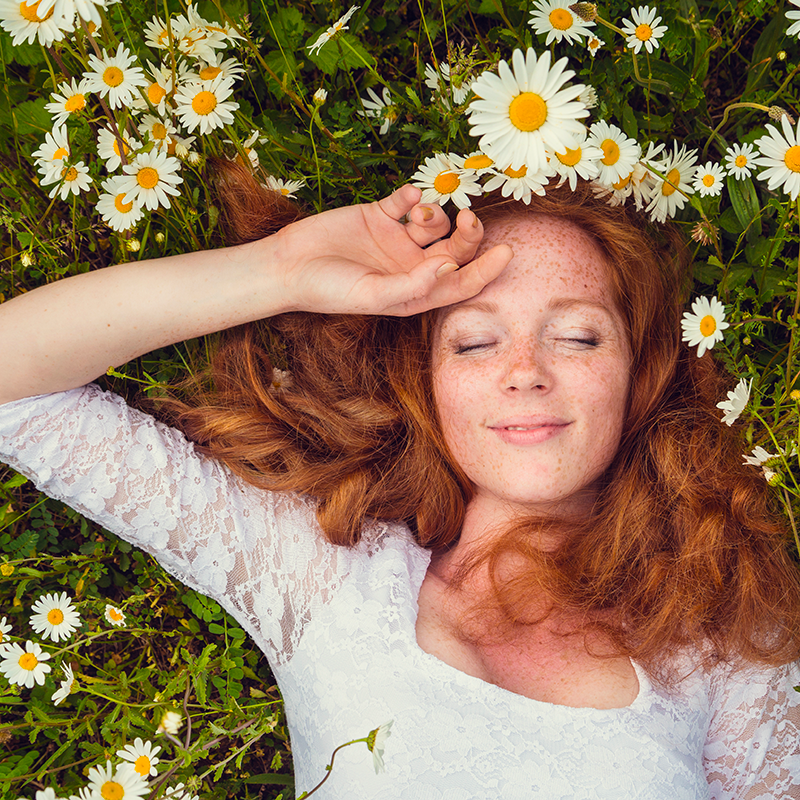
x=682, y=547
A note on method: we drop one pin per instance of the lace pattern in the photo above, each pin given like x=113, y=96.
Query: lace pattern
x=338, y=626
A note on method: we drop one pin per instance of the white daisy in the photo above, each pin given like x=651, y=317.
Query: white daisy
x=588, y=97
x=517, y=183
x=156, y=34
x=479, y=162
x=68, y=100
x=644, y=30
x=555, y=18
x=376, y=743
x=576, y=162
x=247, y=147
x=143, y=757
x=203, y=104
x=709, y=179
x=171, y=722
x=194, y=36
x=70, y=179
x=86, y=9
x=281, y=380
x=114, y=616
x=518, y=114
x=160, y=131
x=704, y=324
x=593, y=44
x=109, y=150
x=286, y=188
x=639, y=183
x=64, y=690
x=446, y=86
x=5, y=629
x=380, y=108
x=28, y=22
x=337, y=27
x=54, y=616
x=50, y=155
x=229, y=68
x=759, y=457
x=179, y=792
x=740, y=160
x=619, y=152
x=114, y=77
x=443, y=177
x=670, y=195
x=150, y=178
x=737, y=400
x=122, y=783
x=158, y=91
x=794, y=14
x=781, y=156
x=24, y=667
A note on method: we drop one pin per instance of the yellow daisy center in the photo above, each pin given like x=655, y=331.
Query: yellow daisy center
x=516, y=173
x=91, y=27
x=792, y=158
x=571, y=157
x=610, y=152
x=163, y=37
x=479, y=161
x=111, y=790
x=113, y=76
x=155, y=93
x=204, y=103
x=30, y=13
x=159, y=131
x=124, y=208
x=643, y=32
x=622, y=182
x=60, y=153
x=75, y=103
x=708, y=179
x=209, y=73
x=670, y=185
x=446, y=182
x=142, y=765
x=284, y=191
x=55, y=616
x=125, y=147
x=28, y=661
x=560, y=19
x=147, y=177
x=527, y=111
x=594, y=43
x=68, y=175
x=741, y=161
x=708, y=325
x=114, y=613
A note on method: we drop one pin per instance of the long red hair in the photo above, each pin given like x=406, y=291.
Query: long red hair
x=682, y=547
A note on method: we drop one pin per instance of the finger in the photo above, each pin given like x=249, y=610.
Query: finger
x=400, y=201
x=463, y=244
x=427, y=224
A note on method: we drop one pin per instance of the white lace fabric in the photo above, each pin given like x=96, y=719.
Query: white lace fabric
x=338, y=627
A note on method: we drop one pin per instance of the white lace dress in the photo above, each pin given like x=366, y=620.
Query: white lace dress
x=337, y=626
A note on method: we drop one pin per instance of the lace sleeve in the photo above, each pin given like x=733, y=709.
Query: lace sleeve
x=752, y=750
x=255, y=552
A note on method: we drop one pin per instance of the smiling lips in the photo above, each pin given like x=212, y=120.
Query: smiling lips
x=528, y=430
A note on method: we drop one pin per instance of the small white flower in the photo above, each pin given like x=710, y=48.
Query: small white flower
x=709, y=179
x=159, y=131
x=518, y=183
x=337, y=27
x=578, y=162
x=179, y=792
x=444, y=85
x=376, y=742
x=150, y=178
x=122, y=783
x=737, y=400
x=157, y=91
x=320, y=96
x=704, y=324
x=64, y=690
x=203, y=104
x=114, y=616
x=479, y=162
x=50, y=155
x=645, y=30
x=619, y=152
x=593, y=44
x=55, y=617
x=740, y=160
x=143, y=757
x=120, y=214
x=781, y=155
x=281, y=379
x=72, y=179
x=228, y=68
x=114, y=77
x=286, y=188
x=171, y=722
x=380, y=107
x=670, y=195
x=156, y=34
x=24, y=667
x=109, y=150
x=443, y=177
x=555, y=18
x=68, y=100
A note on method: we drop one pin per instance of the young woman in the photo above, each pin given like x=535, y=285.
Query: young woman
x=495, y=504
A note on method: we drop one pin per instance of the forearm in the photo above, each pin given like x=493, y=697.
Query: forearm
x=67, y=333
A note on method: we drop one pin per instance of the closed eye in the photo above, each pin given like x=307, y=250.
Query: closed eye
x=469, y=348
x=588, y=341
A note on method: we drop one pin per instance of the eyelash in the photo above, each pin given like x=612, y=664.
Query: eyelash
x=589, y=341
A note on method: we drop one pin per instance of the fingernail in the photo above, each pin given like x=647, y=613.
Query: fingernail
x=475, y=222
x=446, y=269
x=427, y=214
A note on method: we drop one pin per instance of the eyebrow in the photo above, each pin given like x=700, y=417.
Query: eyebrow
x=558, y=304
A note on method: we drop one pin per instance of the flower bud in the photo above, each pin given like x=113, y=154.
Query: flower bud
x=781, y=55
x=133, y=245
x=195, y=159
x=320, y=96
x=795, y=394
x=26, y=258
x=776, y=113
x=160, y=237
x=181, y=150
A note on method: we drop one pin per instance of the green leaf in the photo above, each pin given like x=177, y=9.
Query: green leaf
x=764, y=52
x=629, y=122
x=271, y=778
x=288, y=28
x=30, y=117
x=743, y=200
x=343, y=52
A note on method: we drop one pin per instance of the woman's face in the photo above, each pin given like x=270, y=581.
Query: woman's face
x=531, y=376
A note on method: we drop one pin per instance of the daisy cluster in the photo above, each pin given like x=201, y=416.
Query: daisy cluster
x=150, y=114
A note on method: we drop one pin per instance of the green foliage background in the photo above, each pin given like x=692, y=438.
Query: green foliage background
x=179, y=650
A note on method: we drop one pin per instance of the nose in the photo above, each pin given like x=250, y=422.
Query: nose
x=526, y=369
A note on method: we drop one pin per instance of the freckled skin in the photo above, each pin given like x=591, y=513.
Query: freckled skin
x=530, y=332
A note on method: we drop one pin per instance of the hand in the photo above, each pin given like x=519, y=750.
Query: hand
x=362, y=260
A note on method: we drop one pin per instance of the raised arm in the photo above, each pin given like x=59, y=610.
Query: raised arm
x=358, y=260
